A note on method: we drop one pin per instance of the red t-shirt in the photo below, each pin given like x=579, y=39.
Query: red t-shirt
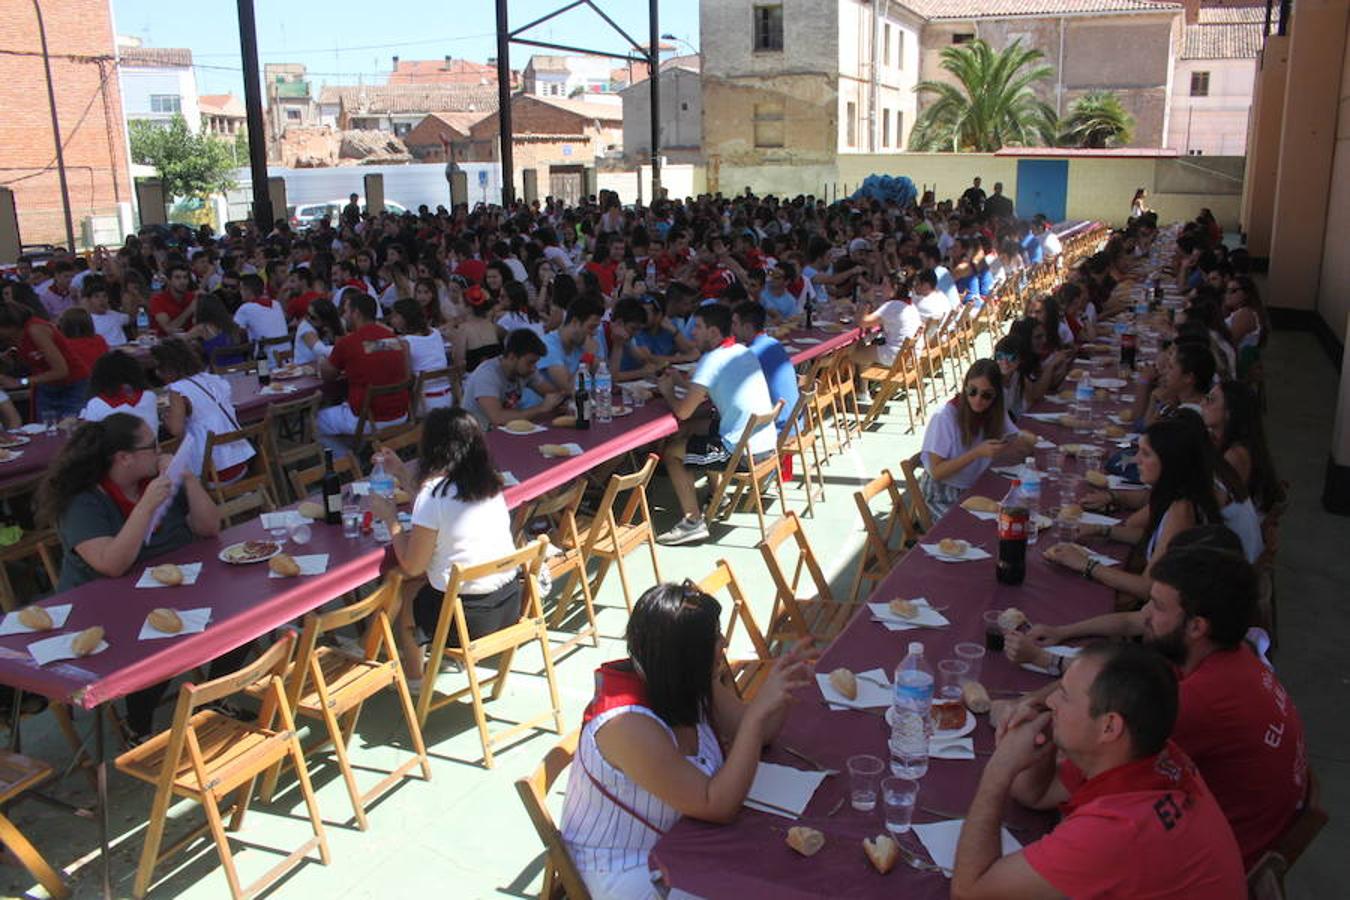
x=667, y=262
x=88, y=349
x=1146, y=830
x=1241, y=728
x=76, y=367
x=372, y=356
x=164, y=302
x=605, y=273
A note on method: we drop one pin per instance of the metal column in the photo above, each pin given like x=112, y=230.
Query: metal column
x=654, y=84
x=504, y=131
x=263, y=215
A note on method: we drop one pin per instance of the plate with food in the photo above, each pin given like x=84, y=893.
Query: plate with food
x=289, y=372
x=248, y=552
x=560, y=451
x=10, y=441
x=946, y=734
x=522, y=426
x=620, y=411
x=9, y=455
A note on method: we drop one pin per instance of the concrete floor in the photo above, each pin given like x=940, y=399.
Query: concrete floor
x=466, y=831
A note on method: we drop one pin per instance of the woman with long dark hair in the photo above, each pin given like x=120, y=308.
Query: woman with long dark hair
x=317, y=332
x=426, y=351
x=665, y=736
x=57, y=374
x=217, y=330
x=1232, y=414
x=459, y=516
x=101, y=494
x=965, y=437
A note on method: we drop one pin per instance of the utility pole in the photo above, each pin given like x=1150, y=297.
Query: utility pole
x=654, y=84
x=56, y=132
x=257, y=136
x=504, y=132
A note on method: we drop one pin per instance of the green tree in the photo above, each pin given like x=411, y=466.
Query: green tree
x=190, y=165
x=1096, y=120
x=992, y=104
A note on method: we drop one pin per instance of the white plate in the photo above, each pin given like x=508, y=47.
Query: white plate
x=10, y=441
x=966, y=728
x=226, y=558
x=1109, y=383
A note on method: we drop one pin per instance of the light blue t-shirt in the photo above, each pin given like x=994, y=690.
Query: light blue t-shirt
x=784, y=304
x=947, y=284
x=778, y=372
x=735, y=383
x=558, y=355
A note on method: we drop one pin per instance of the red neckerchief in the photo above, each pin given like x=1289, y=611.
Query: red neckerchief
x=617, y=684
x=728, y=342
x=124, y=503
x=1168, y=770
x=265, y=302
x=122, y=399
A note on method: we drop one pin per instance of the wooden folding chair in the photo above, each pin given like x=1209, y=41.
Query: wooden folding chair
x=258, y=475
x=501, y=644
x=435, y=384
x=879, y=551
x=279, y=350
x=609, y=538
x=747, y=474
x=817, y=380
x=922, y=517
x=405, y=440
x=562, y=879
x=367, y=428
x=40, y=544
x=206, y=756
x=304, y=480
x=901, y=376
x=293, y=437
x=743, y=674
x=802, y=434
x=795, y=618
x=842, y=373
x=559, y=510
x=17, y=775
x=331, y=685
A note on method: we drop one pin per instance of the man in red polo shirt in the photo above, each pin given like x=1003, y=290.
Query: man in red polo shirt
x=1138, y=820
x=172, y=309
x=369, y=355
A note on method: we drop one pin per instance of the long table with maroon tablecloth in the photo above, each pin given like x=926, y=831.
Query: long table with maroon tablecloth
x=749, y=858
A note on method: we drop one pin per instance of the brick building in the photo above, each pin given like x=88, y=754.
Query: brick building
x=84, y=72
x=430, y=138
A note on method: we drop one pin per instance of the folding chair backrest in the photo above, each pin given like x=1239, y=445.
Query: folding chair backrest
x=404, y=440
x=528, y=558
x=379, y=636
x=303, y=480
x=366, y=425
x=561, y=876
x=635, y=511
x=435, y=383
x=259, y=474
x=722, y=578
x=917, y=506
x=898, y=516
x=292, y=431
x=243, y=352
x=785, y=530
x=272, y=662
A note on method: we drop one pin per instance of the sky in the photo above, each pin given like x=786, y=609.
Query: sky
x=351, y=42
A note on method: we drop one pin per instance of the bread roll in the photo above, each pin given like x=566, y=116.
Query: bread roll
x=165, y=620
x=519, y=426
x=283, y=564
x=805, y=841
x=1011, y=619
x=1077, y=374
x=1097, y=479
x=311, y=510
x=554, y=451
x=1071, y=513
x=975, y=696
x=35, y=617
x=845, y=682
x=980, y=504
x=952, y=547
x=167, y=573
x=1114, y=431
x=565, y=422
x=87, y=641
x=882, y=852
x=905, y=609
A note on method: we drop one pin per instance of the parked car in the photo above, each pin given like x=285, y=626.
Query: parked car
x=308, y=214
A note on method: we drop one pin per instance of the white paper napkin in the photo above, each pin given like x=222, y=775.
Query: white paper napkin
x=194, y=620
x=32, y=428
x=190, y=572
x=508, y=479
x=1019, y=472
x=54, y=648
x=952, y=748
x=981, y=515
x=782, y=790
x=285, y=519
x=11, y=455
x=805, y=340
x=972, y=553
x=939, y=839
x=1056, y=650
x=870, y=691
x=313, y=564
x=1092, y=518
x=1043, y=444
x=927, y=617
x=12, y=625
x=1052, y=418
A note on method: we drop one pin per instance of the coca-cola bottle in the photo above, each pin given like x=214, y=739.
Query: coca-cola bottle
x=1129, y=349
x=1014, y=516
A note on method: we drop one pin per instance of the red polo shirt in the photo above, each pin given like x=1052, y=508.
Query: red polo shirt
x=605, y=273
x=372, y=356
x=1146, y=830
x=88, y=349
x=1239, y=726
x=76, y=367
x=164, y=302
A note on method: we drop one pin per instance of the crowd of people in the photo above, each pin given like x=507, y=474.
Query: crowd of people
x=1172, y=736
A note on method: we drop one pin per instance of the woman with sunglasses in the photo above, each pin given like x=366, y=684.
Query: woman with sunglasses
x=665, y=736
x=966, y=436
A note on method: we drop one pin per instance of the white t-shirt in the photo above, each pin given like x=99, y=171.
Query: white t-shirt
x=901, y=322
x=933, y=308
x=1051, y=244
x=111, y=326
x=426, y=352
x=303, y=352
x=212, y=412
x=466, y=533
x=261, y=322
x=561, y=261
x=514, y=320
x=819, y=294
x=943, y=438
x=97, y=409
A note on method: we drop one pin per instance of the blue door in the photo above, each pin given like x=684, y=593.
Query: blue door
x=1042, y=187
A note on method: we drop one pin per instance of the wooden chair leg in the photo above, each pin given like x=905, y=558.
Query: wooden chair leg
x=31, y=859
x=243, y=797
x=154, y=836
x=552, y=682
x=503, y=670
x=479, y=715
x=651, y=547
x=344, y=764
x=222, y=843
x=410, y=718
x=623, y=577
x=307, y=791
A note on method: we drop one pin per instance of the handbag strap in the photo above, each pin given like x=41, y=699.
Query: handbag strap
x=609, y=795
x=229, y=413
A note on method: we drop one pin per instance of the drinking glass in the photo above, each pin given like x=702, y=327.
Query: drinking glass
x=864, y=775
x=899, y=796
x=351, y=513
x=949, y=710
x=50, y=420
x=1054, y=460
x=972, y=654
x=993, y=634
x=300, y=533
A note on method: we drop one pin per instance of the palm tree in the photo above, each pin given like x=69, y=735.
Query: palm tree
x=1096, y=120
x=993, y=103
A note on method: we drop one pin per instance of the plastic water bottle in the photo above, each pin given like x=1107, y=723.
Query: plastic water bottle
x=381, y=484
x=911, y=715
x=1031, y=492
x=1082, y=403
x=142, y=321
x=604, y=394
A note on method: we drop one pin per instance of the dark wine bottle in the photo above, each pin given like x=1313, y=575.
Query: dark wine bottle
x=582, y=400
x=332, y=491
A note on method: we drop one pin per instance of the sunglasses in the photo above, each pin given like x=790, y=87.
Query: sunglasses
x=1005, y=357
x=974, y=392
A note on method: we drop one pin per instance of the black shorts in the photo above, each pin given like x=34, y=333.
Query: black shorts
x=483, y=613
x=705, y=450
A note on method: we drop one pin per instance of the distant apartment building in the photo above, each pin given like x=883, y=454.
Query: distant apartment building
x=567, y=76
x=89, y=110
x=1215, y=80
x=157, y=83
x=223, y=115
x=447, y=71
x=802, y=81
x=290, y=103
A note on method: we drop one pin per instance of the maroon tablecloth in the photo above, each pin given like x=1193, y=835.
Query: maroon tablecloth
x=251, y=403
x=38, y=453
x=749, y=857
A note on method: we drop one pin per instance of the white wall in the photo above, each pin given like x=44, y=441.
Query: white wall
x=897, y=73
x=1216, y=125
x=138, y=84
x=681, y=112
